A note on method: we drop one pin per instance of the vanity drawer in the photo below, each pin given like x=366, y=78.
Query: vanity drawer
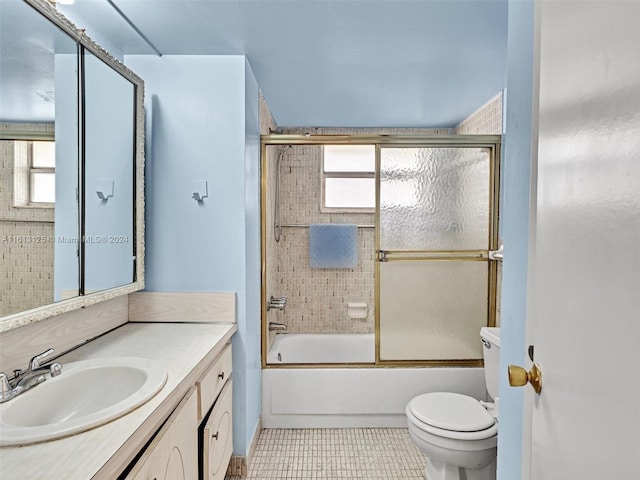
x=216, y=437
x=212, y=382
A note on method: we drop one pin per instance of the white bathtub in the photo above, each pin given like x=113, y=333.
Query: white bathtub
x=322, y=348
x=349, y=397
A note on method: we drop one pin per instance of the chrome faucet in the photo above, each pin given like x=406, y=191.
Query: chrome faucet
x=277, y=327
x=24, y=380
x=277, y=302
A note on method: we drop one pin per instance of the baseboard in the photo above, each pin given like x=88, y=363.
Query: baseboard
x=239, y=464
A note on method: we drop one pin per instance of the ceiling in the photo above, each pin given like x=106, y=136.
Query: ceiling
x=341, y=63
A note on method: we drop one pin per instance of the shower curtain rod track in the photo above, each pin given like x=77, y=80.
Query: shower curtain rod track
x=300, y=225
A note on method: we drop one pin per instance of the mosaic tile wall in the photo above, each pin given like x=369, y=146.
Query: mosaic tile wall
x=316, y=298
x=27, y=268
x=487, y=120
x=26, y=246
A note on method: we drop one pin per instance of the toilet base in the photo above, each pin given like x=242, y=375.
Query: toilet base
x=437, y=470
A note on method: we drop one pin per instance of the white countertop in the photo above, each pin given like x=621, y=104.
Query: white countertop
x=185, y=349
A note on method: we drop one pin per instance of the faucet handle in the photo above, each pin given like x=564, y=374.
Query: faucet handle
x=35, y=361
x=5, y=386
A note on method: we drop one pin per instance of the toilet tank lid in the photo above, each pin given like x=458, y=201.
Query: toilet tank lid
x=491, y=334
x=451, y=411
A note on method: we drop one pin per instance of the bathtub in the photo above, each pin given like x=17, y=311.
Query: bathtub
x=322, y=348
x=362, y=396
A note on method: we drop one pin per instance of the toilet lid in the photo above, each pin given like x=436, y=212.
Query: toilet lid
x=451, y=411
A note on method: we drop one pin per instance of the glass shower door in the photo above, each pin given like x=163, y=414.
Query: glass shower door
x=436, y=226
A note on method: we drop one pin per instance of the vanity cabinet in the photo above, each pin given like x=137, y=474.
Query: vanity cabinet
x=173, y=453
x=198, y=436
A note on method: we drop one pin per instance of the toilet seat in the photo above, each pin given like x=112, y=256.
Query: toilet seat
x=451, y=415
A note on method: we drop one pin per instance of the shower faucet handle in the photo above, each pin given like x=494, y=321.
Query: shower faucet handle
x=277, y=302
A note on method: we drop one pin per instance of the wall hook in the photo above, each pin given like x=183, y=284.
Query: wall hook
x=200, y=191
x=105, y=189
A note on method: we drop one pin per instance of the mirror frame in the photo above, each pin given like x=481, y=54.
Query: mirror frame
x=44, y=312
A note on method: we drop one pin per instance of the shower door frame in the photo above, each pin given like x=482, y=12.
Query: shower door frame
x=490, y=142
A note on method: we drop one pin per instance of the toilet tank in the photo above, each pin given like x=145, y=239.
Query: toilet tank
x=491, y=354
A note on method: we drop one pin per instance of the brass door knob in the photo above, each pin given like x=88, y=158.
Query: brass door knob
x=518, y=377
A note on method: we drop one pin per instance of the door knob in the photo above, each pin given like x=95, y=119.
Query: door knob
x=518, y=377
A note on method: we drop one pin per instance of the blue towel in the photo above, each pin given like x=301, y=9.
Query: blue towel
x=333, y=245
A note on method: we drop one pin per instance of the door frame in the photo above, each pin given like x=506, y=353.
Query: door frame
x=528, y=398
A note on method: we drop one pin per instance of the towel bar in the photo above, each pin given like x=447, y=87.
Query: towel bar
x=300, y=225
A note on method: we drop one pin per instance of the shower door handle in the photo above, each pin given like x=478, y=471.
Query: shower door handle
x=382, y=255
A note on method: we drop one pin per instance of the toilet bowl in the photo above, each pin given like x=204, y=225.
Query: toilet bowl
x=458, y=433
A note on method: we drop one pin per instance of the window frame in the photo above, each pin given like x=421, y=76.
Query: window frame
x=23, y=171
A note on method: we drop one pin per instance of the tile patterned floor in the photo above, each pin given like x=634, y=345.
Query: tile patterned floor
x=333, y=454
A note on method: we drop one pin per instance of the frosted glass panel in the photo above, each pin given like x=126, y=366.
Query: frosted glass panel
x=350, y=192
x=432, y=310
x=434, y=198
x=43, y=188
x=44, y=155
x=349, y=158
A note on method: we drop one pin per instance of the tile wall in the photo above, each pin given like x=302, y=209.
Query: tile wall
x=316, y=298
x=487, y=120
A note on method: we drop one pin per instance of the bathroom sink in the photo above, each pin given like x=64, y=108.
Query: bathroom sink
x=85, y=395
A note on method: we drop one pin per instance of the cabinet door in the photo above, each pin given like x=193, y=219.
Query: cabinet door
x=173, y=454
x=217, y=437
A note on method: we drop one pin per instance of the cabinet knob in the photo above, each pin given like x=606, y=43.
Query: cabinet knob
x=215, y=435
x=221, y=376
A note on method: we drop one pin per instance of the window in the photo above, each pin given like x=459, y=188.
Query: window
x=348, y=178
x=34, y=176
x=42, y=173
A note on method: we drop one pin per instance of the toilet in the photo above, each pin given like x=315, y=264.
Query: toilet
x=457, y=433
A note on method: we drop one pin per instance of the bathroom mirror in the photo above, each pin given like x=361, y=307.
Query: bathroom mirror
x=71, y=145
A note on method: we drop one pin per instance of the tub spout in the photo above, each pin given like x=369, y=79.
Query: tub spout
x=277, y=327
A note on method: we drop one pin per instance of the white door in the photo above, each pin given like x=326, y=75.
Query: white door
x=584, y=287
